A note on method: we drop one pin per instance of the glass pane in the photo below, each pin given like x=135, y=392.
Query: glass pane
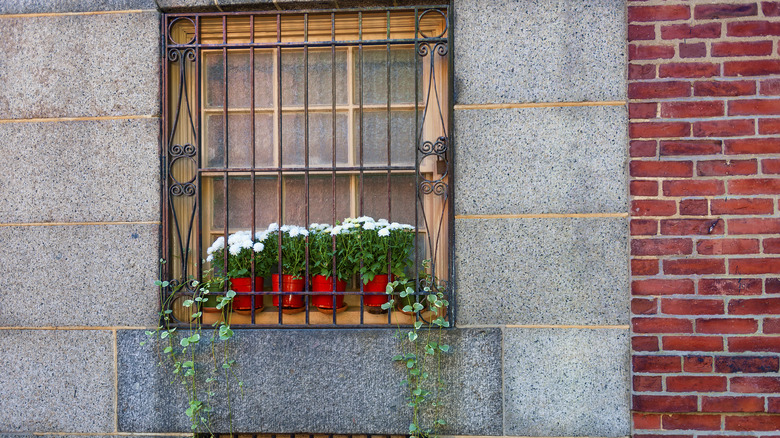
x=239, y=128
x=292, y=139
x=321, y=209
x=264, y=79
x=239, y=79
x=214, y=77
x=240, y=202
x=321, y=139
x=402, y=197
x=320, y=77
x=374, y=75
x=375, y=137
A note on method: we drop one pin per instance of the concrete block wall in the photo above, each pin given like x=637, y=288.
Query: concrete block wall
x=542, y=342
x=704, y=81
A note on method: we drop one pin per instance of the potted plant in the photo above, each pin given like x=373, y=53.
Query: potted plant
x=322, y=238
x=242, y=250
x=293, y=261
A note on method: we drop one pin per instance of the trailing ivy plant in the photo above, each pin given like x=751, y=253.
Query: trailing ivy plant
x=421, y=355
x=177, y=349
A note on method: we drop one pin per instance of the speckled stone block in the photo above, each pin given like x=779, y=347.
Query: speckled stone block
x=541, y=160
x=80, y=171
x=511, y=51
x=542, y=271
x=566, y=382
x=318, y=381
x=186, y=5
x=55, y=6
x=57, y=381
x=79, y=275
x=103, y=65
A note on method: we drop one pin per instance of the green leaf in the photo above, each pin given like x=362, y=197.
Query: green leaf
x=418, y=324
x=164, y=335
x=157, y=283
x=187, y=303
x=165, y=283
x=230, y=294
x=442, y=422
x=417, y=307
x=149, y=333
x=168, y=350
x=410, y=363
x=386, y=306
x=188, y=364
x=412, y=428
x=194, y=338
x=185, y=342
x=398, y=357
x=407, y=308
x=444, y=348
x=412, y=336
x=431, y=297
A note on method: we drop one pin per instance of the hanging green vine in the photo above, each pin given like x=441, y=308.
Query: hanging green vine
x=177, y=349
x=422, y=352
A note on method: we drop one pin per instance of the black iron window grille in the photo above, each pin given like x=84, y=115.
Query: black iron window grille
x=289, y=135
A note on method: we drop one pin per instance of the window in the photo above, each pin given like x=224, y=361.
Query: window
x=299, y=118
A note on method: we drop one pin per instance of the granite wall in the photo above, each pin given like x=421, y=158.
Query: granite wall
x=541, y=343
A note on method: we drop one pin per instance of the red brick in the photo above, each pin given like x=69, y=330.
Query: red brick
x=638, y=32
x=727, y=246
x=644, y=343
x=724, y=128
x=660, y=90
x=694, y=207
x=753, y=146
x=772, y=246
x=662, y=287
x=744, y=48
x=770, y=166
x=691, y=422
x=755, y=343
x=642, y=148
x=686, y=31
x=754, y=106
x=753, y=28
x=645, y=52
x=773, y=405
x=754, y=266
x=758, y=186
x=678, y=110
x=689, y=70
x=691, y=147
x=726, y=326
x=708, y=12
x=755, y=384
x=642, y=247
x=641, y=71
x=692, y=50
x=697, y=364
x=755, y=306
x=751, y=68
x=772, y=287
x=694, y=266
x=746, y=364
x=662, y=325
x=696, y=383
x=730, y=286
x=754, y=226
x=644, y=306
x=642, y=110
x=643, y=227
x=665, y=403
x=692, y=343
x=658, y=13
x=726, y=167
x=645, y=421
x=693, y=188
x=647, y=383
x=753, y=422
x=644, y=188
x=660, y=129
x=644, y=267
x=743, y=206
x=684, y=227
x=676, y=306
x=661, y=168
x=732, y=404
x=656, y=364
x=771, y=9
x=651, y=207
x=770, y=87
x=768, y=126
x=724, y=88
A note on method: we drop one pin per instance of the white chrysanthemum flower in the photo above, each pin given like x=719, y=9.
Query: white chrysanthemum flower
x=261, y=235
x=407, y=227
x=235, y=249
x=369, y=225
x=284, y=228
x=382, y=222
x=350, y=220
x=365, y=219
x=384, y=232
x=246, y=243
x=294, y=231
x=217, y=245
x=273, y=227
x=258, y=247
x=303, y=232
x=336, y=230
x=395, y=226
x=210, y=258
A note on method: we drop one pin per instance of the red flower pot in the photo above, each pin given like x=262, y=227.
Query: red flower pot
x=378, y=284
x=321, y=283
x=289, y=284
x=244, y=284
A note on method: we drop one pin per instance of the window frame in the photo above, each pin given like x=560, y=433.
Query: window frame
x=193, y=51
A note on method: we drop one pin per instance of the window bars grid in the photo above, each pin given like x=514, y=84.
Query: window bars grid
x=189, y=202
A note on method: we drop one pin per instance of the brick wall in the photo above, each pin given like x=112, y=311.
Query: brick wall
x=704, y=108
